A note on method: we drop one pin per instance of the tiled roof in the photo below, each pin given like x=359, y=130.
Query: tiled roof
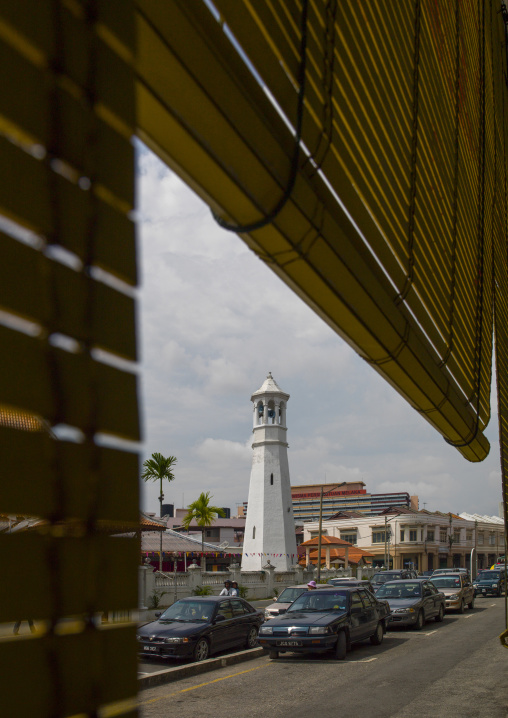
x=325, y=540
x=174, y=541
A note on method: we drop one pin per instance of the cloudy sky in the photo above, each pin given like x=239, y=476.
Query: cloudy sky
x=213, y=321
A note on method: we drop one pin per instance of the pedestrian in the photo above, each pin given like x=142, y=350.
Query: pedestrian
x=312, y=585
x=18, y=624
x=226, y=591
x=235, y=591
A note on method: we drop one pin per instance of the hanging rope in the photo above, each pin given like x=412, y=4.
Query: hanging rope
x=268, y=218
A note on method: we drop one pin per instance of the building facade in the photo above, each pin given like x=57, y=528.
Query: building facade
x=351, y=496
x=422, y=540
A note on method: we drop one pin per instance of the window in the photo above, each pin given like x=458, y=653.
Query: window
x=402, y=535
x=225, y=609
x=356, y=602
x=430, y=535
x=442, y=535
x=349, y=537
x=379, y=536
x=253, y=532
x=368, y=600
x=413, y=535
x=492, y=539
x=271, y=479
x=480, y=538
x=238, y=607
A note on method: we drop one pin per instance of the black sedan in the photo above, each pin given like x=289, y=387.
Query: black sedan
x=329, y=619
x=352, y=583
x=199, y=626
x=412, y=602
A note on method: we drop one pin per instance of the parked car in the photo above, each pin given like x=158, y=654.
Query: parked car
x=329, y=619
x=446, y=571
x=412, y=602
x=199, y=626
x=383, y=576
x=490, y=583
x=286, y=598
x=364, y=583
x=457, y=589
x=426, y=574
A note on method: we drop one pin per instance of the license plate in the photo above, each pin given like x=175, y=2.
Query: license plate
x=151, y=649
x=290, y=643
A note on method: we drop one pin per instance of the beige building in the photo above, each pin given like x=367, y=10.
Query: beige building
x=424, y=540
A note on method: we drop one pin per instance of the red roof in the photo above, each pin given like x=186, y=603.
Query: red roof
x=325, y=540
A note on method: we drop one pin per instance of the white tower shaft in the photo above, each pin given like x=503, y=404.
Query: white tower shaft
x=270, y=525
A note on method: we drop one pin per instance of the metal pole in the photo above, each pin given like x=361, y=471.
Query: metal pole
x=174, y=568
x=319, y=536
x=386, y=557
x=474, y=569
x=160, y=554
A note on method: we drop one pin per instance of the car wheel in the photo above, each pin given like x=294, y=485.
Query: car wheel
x=201, y=650
x=462, y=607
x=377, y=638
x=252, y=638
x=440, y=615
x=471, y=604
x=273, y=654
x=341, y=646
x=420, y=621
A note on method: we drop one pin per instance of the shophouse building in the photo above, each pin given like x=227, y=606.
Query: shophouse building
x=402, y=537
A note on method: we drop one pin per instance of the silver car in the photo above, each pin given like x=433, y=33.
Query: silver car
x=286, y=598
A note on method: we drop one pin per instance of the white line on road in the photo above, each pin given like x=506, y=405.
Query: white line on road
x=367, y=660
x=471, y=615
x=492, y=604
x=428, y=633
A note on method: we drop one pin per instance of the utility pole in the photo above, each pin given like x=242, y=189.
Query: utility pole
x=450, y=540
x=318, y=577
x=474, y=571
x=386, y=544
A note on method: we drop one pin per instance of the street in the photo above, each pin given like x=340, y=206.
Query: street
x=455, y=669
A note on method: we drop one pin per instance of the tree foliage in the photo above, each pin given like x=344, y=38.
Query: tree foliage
x=159, y=467
x=202, y=513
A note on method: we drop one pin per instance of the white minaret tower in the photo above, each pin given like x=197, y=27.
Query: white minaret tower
x=270, y=525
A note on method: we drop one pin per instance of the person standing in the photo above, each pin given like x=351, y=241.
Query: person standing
x=226, y=591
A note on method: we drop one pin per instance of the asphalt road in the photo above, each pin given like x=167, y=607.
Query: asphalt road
x=456, y=669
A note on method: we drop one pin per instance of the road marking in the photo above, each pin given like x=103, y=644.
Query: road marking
x=427, y=633
x=470, y=616
x=367, y=660
x=201, y=685
x=492, y=604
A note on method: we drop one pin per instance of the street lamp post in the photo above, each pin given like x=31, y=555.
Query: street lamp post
x=318, y=577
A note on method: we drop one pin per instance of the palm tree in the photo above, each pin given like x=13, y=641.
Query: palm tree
x=158, y=468
x=204, y=515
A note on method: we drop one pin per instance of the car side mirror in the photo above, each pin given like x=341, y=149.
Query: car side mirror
x=275, y=598
x=158, y=614
x=219, y=617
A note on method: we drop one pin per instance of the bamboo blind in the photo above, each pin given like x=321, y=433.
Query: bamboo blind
x=67, y=268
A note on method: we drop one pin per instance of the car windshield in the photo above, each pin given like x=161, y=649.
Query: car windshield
x=384, y=577
x=446, y=581
x=290, y=594
x=189, y=611
x=489, y=575
x=320, y=601
x=410, y=589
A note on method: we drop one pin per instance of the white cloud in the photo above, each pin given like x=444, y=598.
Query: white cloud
x=214, y=320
